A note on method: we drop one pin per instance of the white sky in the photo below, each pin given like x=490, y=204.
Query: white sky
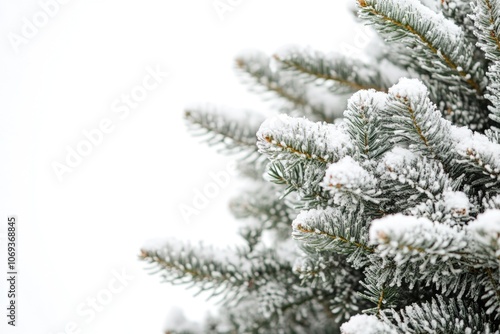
x=74, y=233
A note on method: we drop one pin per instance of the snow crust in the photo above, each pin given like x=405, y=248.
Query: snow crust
x=487, y=222
x=397, y=157
x=397, y=224
x=346, y=173
x=460, y=133
x=486, y=230
x=407, y=227
x=370, y=97
x=365, y=324
x=305, y=216
x=478, y=148
x=410, y=88
x=328, y=138
x=475, y=141
x=454, y=200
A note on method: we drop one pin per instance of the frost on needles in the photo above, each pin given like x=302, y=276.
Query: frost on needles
x=382, y=219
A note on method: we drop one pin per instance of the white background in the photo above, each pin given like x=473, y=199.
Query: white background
x=63, y=81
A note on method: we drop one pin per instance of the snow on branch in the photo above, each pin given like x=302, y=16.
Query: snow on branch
x=366, y=324
x=480, y=158
x=412, y=119
x=452, y=257
x=294, y=139
x=486, y=19
x=348, y=183
x=436, y=50
x=440, y=45
x=486, y=234
x=454, y=208
x=395, y=236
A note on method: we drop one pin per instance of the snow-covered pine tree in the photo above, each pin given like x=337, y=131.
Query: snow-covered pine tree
x=385, y=220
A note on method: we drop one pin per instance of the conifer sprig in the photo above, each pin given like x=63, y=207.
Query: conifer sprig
x=338, y=73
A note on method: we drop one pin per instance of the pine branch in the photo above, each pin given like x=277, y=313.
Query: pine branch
x=441, y=315
x=485, y=232
x=380, y=295
x=232, y=134
x=480, y=160
x=334, y=230
x=486, y=17
x=296, y=94
x=230, y=275
x=493, y=136
x=295, y=139
x=263, y=205
x=453, y=209
x=463, y=257
x=494, y=94
x=262, y=210
x=491, y=202
x=349, y=183
x=247, y=317
x=187, y=265
x=441, y=41
x=407, y=179
x=338, y=281
x=302, y=179
x=299, y=151
x=400, y=208
x=363, y=124
x=436, y=243
x=439, y=257
x=338, y=73
x=412, y=119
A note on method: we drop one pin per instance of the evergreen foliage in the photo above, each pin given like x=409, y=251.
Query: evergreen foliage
x=384, y=220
